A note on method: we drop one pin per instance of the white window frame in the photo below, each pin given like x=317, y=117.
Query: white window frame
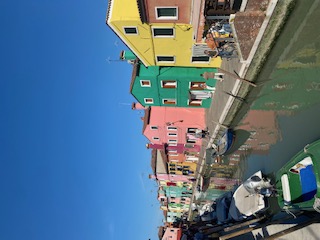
x=154, y=127
x=172, y=83
x=172, y=134
x=172, y=141
x=144, y=80
x=145, y=101
x=167, y=17
x=174, y=59
x=200, y=61
x=155, y=138
x=173, y=155
x=124, y=30
x=172, y=144
x=170, y=128
x=170, y=99
x=164, y=36
x=200, y=100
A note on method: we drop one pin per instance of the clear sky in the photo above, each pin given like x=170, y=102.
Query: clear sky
x=73, y=162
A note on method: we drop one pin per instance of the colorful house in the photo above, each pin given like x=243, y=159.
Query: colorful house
x=172, y=234
x=173, y=126
x=171, y=86
x=162, y=33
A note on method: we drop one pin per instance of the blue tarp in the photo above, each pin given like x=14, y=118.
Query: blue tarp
x=308, y=183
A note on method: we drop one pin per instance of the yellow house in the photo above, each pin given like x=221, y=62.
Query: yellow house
x=183, y=168
x=159, y=43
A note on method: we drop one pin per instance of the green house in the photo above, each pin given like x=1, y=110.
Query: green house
x=170, y=86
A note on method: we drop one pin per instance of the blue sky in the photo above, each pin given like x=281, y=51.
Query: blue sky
x=73, y=162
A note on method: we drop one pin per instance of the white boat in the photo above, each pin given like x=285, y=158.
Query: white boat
x=251, y=197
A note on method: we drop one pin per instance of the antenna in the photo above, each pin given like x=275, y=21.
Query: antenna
x=125, y=104
x=116, y=43
x=109, y=60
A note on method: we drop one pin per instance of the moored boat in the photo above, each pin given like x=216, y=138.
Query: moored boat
x=298, y=182
x=251, y=197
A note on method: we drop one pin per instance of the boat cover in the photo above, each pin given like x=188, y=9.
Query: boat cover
x=308, y=183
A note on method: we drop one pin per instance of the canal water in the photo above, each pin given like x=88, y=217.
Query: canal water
x=284, y=113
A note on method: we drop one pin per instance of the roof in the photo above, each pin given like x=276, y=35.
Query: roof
x=161, y=232
x=159, y=162
x=146, y=118
x=153, y=160
x=135, y=71
x=142, y=11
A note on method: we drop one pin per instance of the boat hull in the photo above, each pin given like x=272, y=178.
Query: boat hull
x=298, y=181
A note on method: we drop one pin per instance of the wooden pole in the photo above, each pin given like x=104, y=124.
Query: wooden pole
x=294, y=228
x=246, y=230
x=237, y=77
x=228, y=229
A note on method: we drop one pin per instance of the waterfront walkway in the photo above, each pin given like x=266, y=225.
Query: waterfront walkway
x=231, y=92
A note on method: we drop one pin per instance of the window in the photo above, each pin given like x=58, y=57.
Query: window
x=153, y=127
x=189, y=146
x=197, y=85
x=163, y=32
x=195, y=102
x=168, y=101
x=191, y=130
x=164, y=13
x=172, y=144
x=145, y=83
x=148, y=100
x=172, y=134
x=171, y=128
x=191, y=141
x=172, y=140
x=156, y=138
x=165, y=59
x=200, y=59
x=130, y=30
x=169, y=84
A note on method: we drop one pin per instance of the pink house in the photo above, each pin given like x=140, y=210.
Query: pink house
x=172, y=234
x=177, y=129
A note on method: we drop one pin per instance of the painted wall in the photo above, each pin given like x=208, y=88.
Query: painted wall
x=183, y=77
x=184, y=168
x=173, y=177
x=145, y=46
x=184, y=9
x=171, y=125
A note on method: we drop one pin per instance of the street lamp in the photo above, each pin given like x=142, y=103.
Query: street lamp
x=172, y=123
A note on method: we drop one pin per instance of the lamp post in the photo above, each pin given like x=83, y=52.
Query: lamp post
x=172, y=123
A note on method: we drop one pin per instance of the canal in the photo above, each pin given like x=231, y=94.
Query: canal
x=284, y=111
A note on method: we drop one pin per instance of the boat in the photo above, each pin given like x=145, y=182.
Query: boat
x=298, y=182
x=251, y=197
x=220, y=149
x=248, y=201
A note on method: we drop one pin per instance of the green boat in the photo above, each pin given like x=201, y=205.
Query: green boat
x=298, y=182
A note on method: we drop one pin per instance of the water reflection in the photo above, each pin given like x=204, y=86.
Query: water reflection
x=282, y=116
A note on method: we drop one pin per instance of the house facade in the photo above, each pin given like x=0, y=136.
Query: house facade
x=172, y=86
x=173, y=126
x=160, y=33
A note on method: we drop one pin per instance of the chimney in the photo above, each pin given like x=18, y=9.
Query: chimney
x=154, y=146
x=127, y=56
x=152, y=176
x=137, y=106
